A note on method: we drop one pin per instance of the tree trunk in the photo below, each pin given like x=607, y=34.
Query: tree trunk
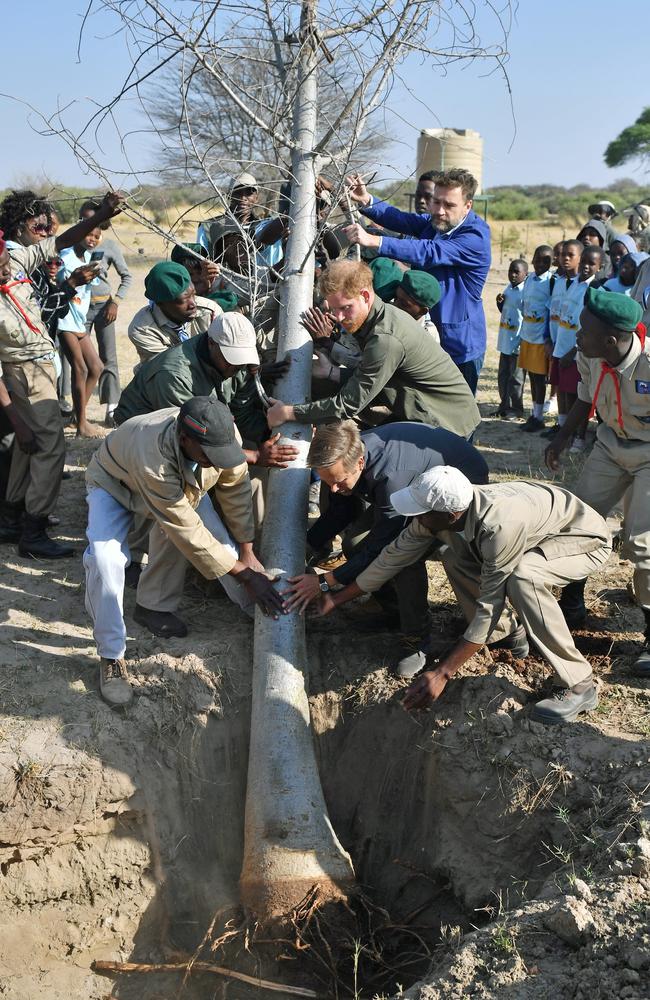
x=290, y=845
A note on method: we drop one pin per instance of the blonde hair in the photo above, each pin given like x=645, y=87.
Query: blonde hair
x=338, y=442
x=347, y=276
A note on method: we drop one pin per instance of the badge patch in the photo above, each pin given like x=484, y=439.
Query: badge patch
x=642, y=386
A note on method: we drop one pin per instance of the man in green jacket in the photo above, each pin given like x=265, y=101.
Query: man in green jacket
x=218, y=363
x=401, y=370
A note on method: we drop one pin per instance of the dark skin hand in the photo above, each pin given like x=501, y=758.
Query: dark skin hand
x=83, y=275
x=319, y=324
x=262, y=591
x=110, y=311
x=428, y=686
x=271, y=371
x=110, y=206
x=575, y=417
x=24, y=434
x=271, y=455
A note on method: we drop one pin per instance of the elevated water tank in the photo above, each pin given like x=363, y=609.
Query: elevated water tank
x=444, y=148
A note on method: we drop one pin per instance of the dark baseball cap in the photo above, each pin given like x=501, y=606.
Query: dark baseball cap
x=210, y=423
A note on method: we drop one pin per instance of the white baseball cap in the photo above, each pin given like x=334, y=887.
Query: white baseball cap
x=235, y=335
x=442, y=488
x=244, y=180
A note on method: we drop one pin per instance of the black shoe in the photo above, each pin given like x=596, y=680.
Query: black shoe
x=499, y=413
x=35, y=541
x=533, y=425
x=550, y=432
x=516, y=643
x=572, y=604
x=11, y=521
x=162, y=623
x=565, y=705
x=641, y=666
x=132, y=575
x=66, y=475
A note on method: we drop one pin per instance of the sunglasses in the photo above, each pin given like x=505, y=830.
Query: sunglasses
x=39, y=227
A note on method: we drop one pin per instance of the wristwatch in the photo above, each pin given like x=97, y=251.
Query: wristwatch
x=324, y=586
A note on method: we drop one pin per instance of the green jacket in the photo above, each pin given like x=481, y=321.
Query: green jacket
x=184, y=371
x=404, y=369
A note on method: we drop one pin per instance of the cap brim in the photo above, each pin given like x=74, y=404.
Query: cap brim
x=240, y=356
x=404, y=504
x=223, y=456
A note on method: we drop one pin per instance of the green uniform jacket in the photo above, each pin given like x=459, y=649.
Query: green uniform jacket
x=403, y=368
x=182, y=372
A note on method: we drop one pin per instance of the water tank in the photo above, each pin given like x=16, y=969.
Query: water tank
x=444, y=148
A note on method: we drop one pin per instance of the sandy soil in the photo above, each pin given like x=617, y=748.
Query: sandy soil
x=121, y=834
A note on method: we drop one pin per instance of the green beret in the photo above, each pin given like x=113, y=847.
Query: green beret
x=386, y=276
x=423, y=288
x=166, y=281
x=619, y=311
x=180, y=255
x=226, y=299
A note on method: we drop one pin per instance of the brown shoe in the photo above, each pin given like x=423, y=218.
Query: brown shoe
x=114, y=683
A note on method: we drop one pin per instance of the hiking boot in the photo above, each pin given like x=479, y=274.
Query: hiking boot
x=566, y=704
x=11, y=521
x=572, y=603
x=516, y=642
x=35, y=541
x=641, y=666
x=533, y=425
x=114, y=683
x=162, y=623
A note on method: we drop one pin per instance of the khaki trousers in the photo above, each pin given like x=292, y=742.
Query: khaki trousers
x=35, y=480
x=619, y=469
x=529, y=591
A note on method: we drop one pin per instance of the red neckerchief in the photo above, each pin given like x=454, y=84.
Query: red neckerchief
x=606, y=369
x=5, y=290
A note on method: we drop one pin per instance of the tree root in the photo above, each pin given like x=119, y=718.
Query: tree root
x=206, y=967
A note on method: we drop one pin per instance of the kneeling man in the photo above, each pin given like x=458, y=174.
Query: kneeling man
x=510, y=540
x=168, y=466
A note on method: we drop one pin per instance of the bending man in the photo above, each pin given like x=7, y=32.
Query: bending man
x=163, y=466
x=509, y=540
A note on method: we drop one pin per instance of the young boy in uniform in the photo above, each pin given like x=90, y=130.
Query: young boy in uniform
x=614, y=365
x=510, y=376
x=564, y=370
x=570, y=255
x=532, y=355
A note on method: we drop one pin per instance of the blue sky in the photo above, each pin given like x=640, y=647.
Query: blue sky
x=576, y=72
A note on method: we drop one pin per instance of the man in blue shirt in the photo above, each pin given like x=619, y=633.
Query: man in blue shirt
x=453, y=244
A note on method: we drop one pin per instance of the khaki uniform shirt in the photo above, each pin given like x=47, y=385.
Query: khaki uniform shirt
x=151, y=332
x=142, y=466
x=633, y=378
x=17, y=342
x=404, y=370
x=504, y=521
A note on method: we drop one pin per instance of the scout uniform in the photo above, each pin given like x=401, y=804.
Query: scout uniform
x=27, y=364
x=140, y=470
x=519, y=540
x=403, y=371
x=619, y=464
x=150, y=330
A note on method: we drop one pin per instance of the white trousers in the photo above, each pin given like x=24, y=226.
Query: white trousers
x=107, y=557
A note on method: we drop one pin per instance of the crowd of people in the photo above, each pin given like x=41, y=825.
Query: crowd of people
x=399, y=341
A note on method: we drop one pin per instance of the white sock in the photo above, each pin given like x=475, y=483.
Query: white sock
x=538, y=410
x=110, y=409
x=547, y=405
x=561, y=417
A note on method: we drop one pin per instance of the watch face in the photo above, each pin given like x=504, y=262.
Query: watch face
x=324, y=586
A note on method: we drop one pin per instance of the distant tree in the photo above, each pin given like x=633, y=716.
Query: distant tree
x=633, y=143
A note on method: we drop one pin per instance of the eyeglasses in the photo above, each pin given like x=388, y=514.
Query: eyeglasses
x=39, y=227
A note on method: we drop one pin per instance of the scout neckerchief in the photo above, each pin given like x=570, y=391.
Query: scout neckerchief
x=607, y=369
x=5, y=290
